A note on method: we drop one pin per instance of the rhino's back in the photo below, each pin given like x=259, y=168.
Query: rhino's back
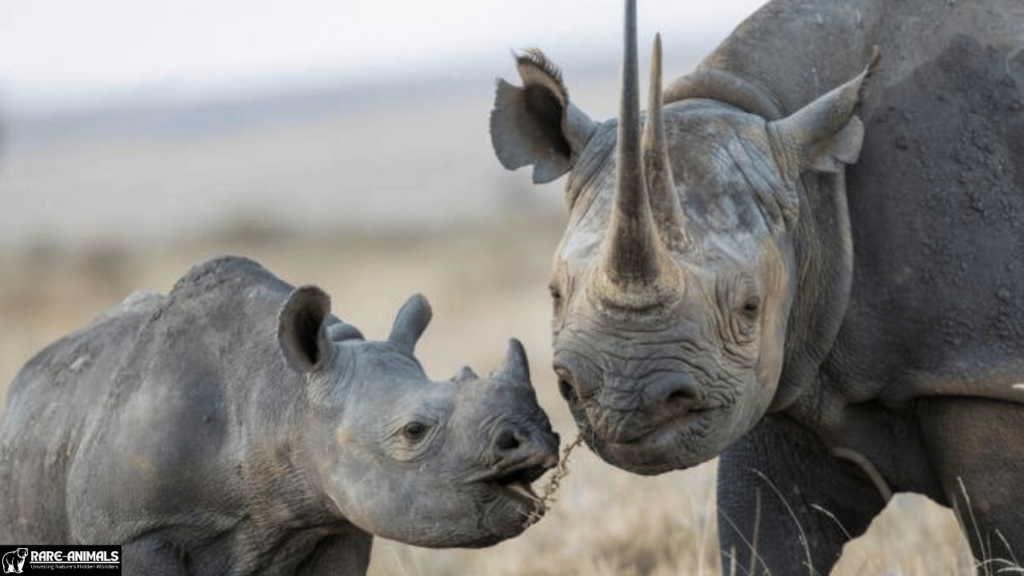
x=796, y=50
x=937, y=205
x=919, y=33
x=173, y=429
x=116, y=429
x=47, y=408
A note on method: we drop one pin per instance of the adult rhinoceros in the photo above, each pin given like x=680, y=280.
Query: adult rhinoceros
x=734, y=281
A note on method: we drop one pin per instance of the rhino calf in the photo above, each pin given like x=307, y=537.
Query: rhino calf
x=236, y=426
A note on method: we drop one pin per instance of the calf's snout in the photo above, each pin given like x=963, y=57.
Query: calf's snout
x=516, y=443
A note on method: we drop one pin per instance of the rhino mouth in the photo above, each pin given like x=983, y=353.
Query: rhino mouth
x=516, y=480
x=621, y=426
x=671, y=444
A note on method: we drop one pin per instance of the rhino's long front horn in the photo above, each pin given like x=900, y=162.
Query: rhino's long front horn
x=631, y=250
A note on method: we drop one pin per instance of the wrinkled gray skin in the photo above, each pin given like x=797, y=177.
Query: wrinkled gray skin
x=813, y=272
x=235, y=426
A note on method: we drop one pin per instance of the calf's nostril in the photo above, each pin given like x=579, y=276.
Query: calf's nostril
x=507, y=440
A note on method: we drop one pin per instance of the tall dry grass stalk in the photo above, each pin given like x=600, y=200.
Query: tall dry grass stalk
x=550, y=491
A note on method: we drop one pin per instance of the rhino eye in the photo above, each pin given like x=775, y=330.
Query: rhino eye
x=751, y=307
x=414, y=431
x=556, y=294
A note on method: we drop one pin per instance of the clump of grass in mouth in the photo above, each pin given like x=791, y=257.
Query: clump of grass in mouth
x=548, y=494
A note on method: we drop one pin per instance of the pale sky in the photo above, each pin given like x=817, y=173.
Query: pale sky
x=53, y=50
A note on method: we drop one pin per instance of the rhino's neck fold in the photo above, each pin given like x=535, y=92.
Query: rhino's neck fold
x=823, y=254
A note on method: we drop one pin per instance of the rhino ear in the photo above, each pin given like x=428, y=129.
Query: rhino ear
x=824, y=135
x=536, y=124
x=302, y=328
x=411, y=321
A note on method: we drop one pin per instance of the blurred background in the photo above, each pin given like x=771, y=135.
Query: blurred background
x=154, y=121
x=346, y=144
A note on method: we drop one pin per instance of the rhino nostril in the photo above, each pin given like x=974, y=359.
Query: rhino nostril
x=678, y=395
x=566, y=390
x=676, y=390
x=507, y=441
x=566, y=384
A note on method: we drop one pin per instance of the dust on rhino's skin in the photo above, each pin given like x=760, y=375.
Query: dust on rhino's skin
x=235, y=426
x=806, y=260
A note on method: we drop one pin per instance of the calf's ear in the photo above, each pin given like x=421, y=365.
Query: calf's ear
x=536, y=124
x=302, y=328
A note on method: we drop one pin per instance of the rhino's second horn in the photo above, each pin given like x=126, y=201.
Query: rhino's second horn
x=657, y=167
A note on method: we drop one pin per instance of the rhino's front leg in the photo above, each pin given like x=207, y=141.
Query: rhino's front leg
x=975, y=450
x=785, y=505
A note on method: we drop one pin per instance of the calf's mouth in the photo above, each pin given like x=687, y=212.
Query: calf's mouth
x=515, y=479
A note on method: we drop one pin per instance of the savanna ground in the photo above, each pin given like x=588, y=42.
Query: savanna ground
x=486, y=283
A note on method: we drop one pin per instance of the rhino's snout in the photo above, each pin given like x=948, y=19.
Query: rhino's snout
x=673, y=393
x=517, y=456
x=514, y=445
x=622, y=408
x=677, y=390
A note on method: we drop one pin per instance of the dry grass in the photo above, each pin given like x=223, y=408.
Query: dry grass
x=485, y=286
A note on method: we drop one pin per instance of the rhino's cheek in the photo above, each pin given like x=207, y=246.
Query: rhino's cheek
x=393, y=507
x=503, y=518
x=473, y=517
x=413, y=509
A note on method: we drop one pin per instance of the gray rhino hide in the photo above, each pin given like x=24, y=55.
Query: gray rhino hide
x=235, y=426
x=901, y=341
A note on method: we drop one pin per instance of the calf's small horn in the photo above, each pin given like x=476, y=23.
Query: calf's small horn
x=516, y=367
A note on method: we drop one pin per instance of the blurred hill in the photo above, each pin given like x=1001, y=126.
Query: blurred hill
x=321, y=158
x=320, y=155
